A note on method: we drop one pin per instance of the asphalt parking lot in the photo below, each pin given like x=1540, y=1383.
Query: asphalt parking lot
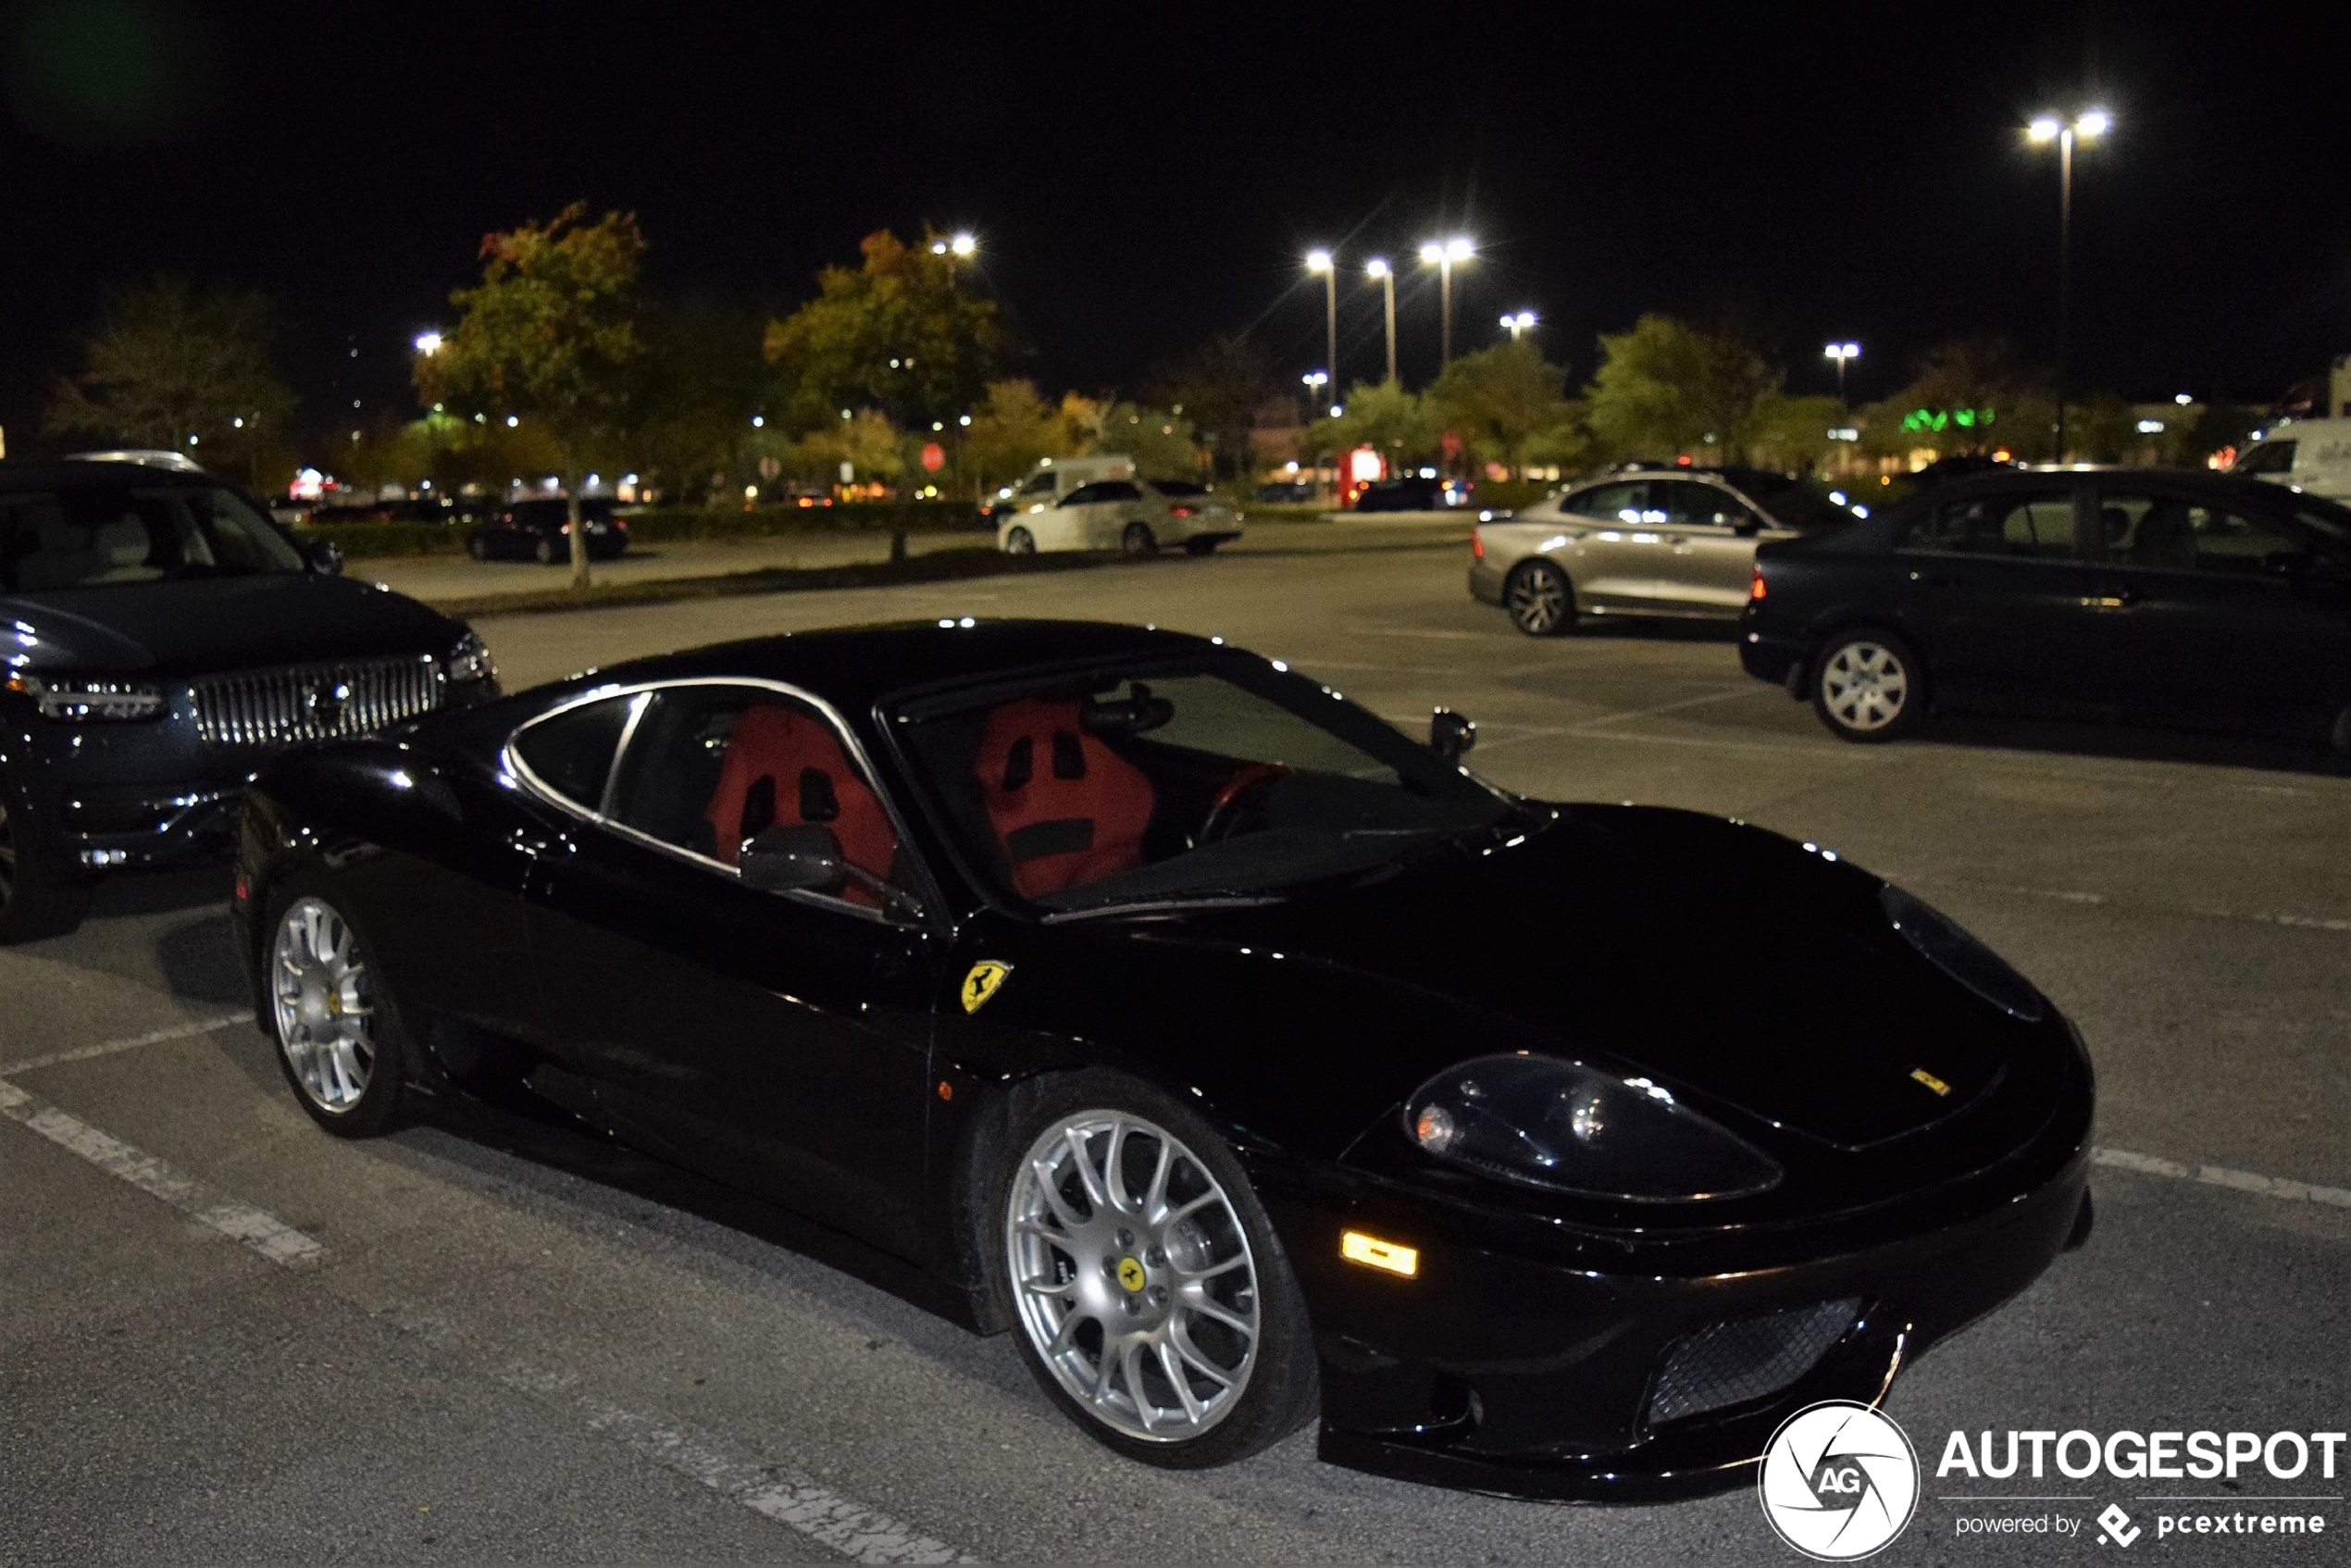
x=446, y=1351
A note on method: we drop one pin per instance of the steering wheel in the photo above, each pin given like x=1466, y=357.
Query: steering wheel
x=1222, y=811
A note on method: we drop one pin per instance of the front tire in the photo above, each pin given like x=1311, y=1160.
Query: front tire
x=1541, y=600
x=1137, y=541
x=1150, y=1298
x=338, y=1041
x=36, y=900
x=1869, y=686
x=479, y=548
x=1020, y=541
x=543, y=550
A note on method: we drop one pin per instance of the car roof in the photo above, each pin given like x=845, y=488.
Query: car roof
x=855, y=666
x=20, y=475
x=2243, y=487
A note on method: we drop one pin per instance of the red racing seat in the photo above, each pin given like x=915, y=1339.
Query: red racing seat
x=1067, y=809
x=786, y=768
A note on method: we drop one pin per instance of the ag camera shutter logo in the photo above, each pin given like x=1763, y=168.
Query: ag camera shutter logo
x=1839, y=1481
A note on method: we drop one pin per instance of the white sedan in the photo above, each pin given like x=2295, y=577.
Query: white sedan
x=1134, y=517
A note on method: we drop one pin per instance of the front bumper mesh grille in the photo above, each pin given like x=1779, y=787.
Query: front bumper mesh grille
x=280, y=707
x=1744, y=1359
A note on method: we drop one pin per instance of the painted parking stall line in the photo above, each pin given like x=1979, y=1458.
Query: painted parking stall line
x=113, y=1046
x=2221, y=1176
x=265, y=1233
x=857, y=1532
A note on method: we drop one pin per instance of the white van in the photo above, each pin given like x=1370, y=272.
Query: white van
x=2314, y=455
x=1056, y=477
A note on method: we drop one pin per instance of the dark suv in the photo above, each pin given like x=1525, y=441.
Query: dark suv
x=537, y=529
x=160, y=638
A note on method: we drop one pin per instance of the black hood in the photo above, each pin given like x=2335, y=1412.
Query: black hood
x=1731, y=965
x=191, y=627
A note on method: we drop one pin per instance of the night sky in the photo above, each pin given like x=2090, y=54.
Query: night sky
x=1143, y=176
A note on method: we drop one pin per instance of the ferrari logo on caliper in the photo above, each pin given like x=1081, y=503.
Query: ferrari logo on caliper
x=982, y=982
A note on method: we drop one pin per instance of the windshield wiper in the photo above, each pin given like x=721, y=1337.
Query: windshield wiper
x=1217, y=900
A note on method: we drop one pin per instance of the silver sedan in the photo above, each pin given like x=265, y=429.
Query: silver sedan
x=1671, y=542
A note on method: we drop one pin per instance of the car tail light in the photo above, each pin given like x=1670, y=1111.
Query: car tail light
x=1477, y=543
x=1754, y=589
x=1179, y=511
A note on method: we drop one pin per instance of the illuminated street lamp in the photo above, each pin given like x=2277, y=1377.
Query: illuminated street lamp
x=1517, y=325
x=960, y=245
x=2087, y=125
x=1442, y=254
x=1320, y=261
x=428, y=343
x=1377, y=267
x=1844, y=354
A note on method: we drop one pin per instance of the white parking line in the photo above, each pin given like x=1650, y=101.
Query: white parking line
x=266, y=1234
x=158, y=1036
x=2221, y=1176
x=861, y=1534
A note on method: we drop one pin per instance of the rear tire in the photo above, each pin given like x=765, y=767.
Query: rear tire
x=1020, y=541
x=479, y=548
x=1869, y=686
x=338, y=1041
x=1139, y=540
x=2339, y=737
x=1539, y=598
x=1171, y=1274
x=36, y=900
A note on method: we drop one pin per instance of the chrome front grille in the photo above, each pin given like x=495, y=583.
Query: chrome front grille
x=280, y=707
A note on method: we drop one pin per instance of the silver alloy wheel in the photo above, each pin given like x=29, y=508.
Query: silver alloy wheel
x=323, y=1000
x=1020, y=541
x=1864, y=686
x=1538, y=598
x=1133, y=1275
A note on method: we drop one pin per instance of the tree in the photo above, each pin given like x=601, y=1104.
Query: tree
x=1010, y=430
x=1791, y=433
x=1665, y=388
x=171, y=367
x=867, y=441
x=897, y=333
x=1498, y=399
x=1159, y=440
x=1380, y=414
x=550, y=334
x=1971, y=394
x=692, y=396
x=1218, y=386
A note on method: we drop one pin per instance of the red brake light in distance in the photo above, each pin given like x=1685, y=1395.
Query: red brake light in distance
x=1477, y=543
x=1179, y=511
x=1755, y=583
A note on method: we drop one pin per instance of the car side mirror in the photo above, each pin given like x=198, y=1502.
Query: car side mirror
x=1450, y=735
x=324, y=557
x=801, y=859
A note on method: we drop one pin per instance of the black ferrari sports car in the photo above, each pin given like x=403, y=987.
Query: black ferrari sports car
x=1249, y=1062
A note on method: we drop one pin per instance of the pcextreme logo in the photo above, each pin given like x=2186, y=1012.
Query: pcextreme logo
x=1839, y=1481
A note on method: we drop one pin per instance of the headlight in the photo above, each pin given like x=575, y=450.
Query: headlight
x=469, y=660
x=1561, y=1125
x=1940, y=940
x=92, y=697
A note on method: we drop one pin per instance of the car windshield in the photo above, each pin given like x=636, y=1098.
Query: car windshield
x=1177, y=781
x=1794, y=504
x=93, y=537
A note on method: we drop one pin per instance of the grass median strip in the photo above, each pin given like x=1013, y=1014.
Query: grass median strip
x=266, y=1234
x=940, y=566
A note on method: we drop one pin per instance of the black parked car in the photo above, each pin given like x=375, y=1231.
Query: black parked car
x=539, y=530
x=1243, y=1057
x=165, y=638
x=2189, y=597
x=1409, y=493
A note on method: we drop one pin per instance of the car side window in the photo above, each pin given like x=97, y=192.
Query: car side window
x=1690, y=504
x=1086, y=496
x=2030, y=523
x=709, y=766
x=2270, y=457
x=1622, y=503
x=571, y=752
x=1118, y=489
x=1037, y=485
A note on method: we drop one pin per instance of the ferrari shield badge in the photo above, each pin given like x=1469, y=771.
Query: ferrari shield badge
x=981, y=983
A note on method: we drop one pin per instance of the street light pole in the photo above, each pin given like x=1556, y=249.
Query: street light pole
x=1320, y=261
x=1517, y=325
x=1443, y=256
x=1843, y=354
x=1378, y=267
x=2088, y=126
